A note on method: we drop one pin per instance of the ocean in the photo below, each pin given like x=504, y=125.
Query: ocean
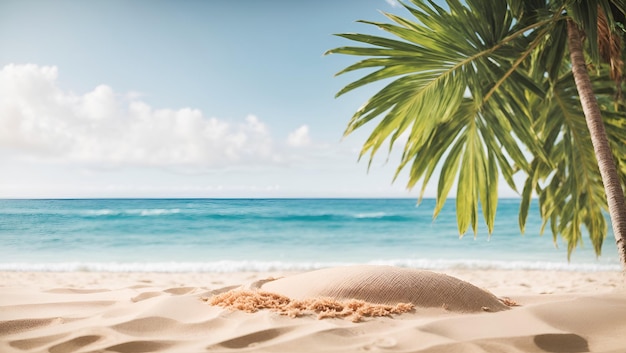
x=227, y=235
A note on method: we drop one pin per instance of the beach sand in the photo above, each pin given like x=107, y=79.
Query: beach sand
x=557, y=311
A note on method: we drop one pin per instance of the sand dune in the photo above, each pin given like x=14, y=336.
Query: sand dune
x=143, y=312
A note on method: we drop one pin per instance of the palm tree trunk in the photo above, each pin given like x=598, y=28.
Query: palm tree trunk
x=608, y=171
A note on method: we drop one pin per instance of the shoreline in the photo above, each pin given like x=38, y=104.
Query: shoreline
x=290, y=266
x=496, y=280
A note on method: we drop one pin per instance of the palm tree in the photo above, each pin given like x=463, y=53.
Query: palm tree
x=466, y=85
x=606, y=163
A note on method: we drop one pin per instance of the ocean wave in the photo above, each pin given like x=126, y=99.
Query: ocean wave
x=155, y=212
x=371, y=215
x=221, y=215
x=276, y=266
x=104, y=212
x=132, y=212
x=360, y=217
x=443, y=264
x=168, y=267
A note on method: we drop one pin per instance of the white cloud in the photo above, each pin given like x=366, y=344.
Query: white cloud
x=104, y=128
x=299, y=137
x=393, y=3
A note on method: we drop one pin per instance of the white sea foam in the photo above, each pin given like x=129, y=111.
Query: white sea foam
x=442, y=264
x=156, y=212
x=274, y=266
x=140, y=212
x=103, y=212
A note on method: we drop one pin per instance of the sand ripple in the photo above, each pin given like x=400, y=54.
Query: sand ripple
x=174, y=319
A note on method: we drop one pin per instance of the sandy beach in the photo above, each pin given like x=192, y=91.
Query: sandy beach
x=554, y=311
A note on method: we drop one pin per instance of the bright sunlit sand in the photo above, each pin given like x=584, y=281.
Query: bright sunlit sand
x=550, y=311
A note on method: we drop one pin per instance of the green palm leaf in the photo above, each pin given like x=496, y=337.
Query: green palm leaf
x=433, y=62
x=482, y=90
x=572, y=195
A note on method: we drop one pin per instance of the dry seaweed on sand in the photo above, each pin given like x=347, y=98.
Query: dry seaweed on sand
x=508, y=301
x=254, y=300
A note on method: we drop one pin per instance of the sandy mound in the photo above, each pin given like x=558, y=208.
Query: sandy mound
x=387, y=285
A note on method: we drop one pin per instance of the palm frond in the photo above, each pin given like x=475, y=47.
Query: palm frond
x=571, y=196
x=450, y=75
x=482, y=90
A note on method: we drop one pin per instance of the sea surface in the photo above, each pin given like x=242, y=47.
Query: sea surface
x=225, y=235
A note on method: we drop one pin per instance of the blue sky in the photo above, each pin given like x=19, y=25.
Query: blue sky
x=184, y=99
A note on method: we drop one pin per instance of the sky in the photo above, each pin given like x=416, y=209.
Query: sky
x=216, y=98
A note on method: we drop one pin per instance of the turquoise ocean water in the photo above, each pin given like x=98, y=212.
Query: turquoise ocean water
x=224, y=235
